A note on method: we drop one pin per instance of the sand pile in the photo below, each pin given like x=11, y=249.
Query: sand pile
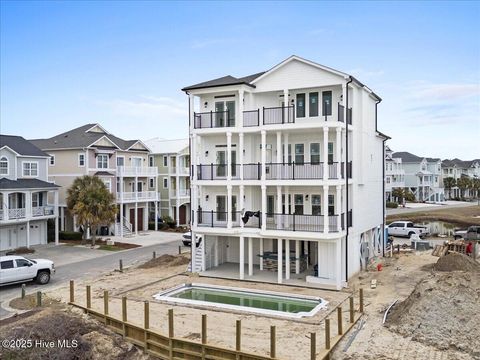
x=457, y=262
x=166, y=260
x=442, y=311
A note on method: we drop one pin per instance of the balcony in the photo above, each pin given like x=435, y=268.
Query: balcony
x=276, y=115
x=133, y=171
x=181, y=192
x=42, y=211
x=19, y=213
x=213, y=119
x=341, y=111
x=219, y=219
x=216, y=171
x=251, y=118
x=137, y=196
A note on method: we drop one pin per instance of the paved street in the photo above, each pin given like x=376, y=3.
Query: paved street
x=91, y=268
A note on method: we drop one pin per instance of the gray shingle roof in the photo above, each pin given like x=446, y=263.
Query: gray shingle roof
x=7, y=184
x=79, y=138
x=225, y=81
x=464, y=164
x=20, y=145
x=409, y=157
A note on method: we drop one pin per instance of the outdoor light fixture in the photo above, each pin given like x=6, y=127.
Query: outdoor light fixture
x=206, y=104
x=206, y=197
x=206, y=153
x=306, y=197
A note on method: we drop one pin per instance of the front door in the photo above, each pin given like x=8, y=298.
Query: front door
x=139, y=224
x=220, y=114
x=221, y=161
x=183, y=214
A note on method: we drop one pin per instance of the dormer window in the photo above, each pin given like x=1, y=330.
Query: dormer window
x=3, y=166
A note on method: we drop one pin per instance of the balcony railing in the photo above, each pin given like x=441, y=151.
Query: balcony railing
x=137, y=196
x=213, y=119
x=217, y=219
x=181, y=192
x=294, y=171
x=341, y=111
x=294, y=222
x=276, y=115
x=16, y=213
x=217, y=171
x=42, y=211
x=1, y=214
x=251, y=118
x=332, y=170
x=252, y=171
x=137, y=170
x=349, y=218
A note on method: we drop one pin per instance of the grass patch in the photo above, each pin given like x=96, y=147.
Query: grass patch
x=30, y=302
x=102, y=244
x=463, y=216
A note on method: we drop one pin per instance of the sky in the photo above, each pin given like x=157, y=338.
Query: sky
x=122, y=64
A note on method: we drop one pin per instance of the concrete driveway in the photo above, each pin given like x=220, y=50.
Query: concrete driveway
x=148, y=238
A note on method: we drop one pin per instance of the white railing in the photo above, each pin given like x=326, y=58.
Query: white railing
x=16, y=213
x=181, y=192
x=134, y=196
x=184, y=171
x=137, y=170
x=42, y=211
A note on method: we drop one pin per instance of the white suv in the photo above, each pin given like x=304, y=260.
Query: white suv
x=15, y=269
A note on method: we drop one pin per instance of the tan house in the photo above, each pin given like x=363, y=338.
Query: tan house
x=123, y=165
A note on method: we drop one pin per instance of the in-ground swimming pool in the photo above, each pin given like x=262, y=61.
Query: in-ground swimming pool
x=264, y=302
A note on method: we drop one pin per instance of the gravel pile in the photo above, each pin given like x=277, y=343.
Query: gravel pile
x=457, y=262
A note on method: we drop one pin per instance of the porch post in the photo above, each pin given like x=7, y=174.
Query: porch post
x=55, y=211
x=229, y=206
x=250, y=257
x=156, y=215
x=62, y=217
x=279, y=260
x=264, y=207
x=261, y=253
x=325, y=208
x=279, y=208
x=242, y=258
x=338, y=264
x=121, y=219
x=319, y=255
x=264, y=153
x=325, y=153
x=287, y=205
x=240, y=152
x=136, y=218
x=287, y=259
x=215, y=249
x=229, y=156
x=193, y=250
x=28, y=234
x=338, y=205
x=279, y=147
x=241, y=201
x=297, y=256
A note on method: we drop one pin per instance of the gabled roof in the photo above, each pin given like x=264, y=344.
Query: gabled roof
x=164, y=146
x=81, y=137
x=21, y=146
x=7, y=184
x=464, y=164
x=411, y=158
x=224, y=81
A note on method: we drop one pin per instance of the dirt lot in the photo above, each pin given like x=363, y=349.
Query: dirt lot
x=463, y=216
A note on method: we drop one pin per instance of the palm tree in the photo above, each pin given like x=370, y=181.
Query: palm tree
x=89, y=199
x=399, y=194
x=463, y=183
x=475, y=186
x=449, y=183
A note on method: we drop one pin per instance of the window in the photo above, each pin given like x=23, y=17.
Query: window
x=108, y=184
x=30, y=169
x=139, y=186
x=288, y=159
x=150, y=161
x=313, y=104
x=35, y=202
x=3, y=166
x=388, y=179
x=22, y=262
x=6, y=264
x=315, y=153
x=165, y=161
x=231, y=112
x=316, y=205
x=102, y=161
x=331, y=205
x=165, y=183
x=270, y=205
x=52, y=160
x=300, y=105
x=327, y=103
x=299, y=149
x=221, y=208
x=298, y=204
x=330, y=152
x=151, y=183
x=137, y=161
x=120, y=161
x=81, y=160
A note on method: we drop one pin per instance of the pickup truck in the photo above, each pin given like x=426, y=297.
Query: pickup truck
x=472, y=233
x=15, y=269
x=406, y=229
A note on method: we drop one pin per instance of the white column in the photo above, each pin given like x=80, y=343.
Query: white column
x=338, y=154
x=285, y=152
x=240, y=153
x=325, y=208
x=242, y=258
x=194, y=205
x=28, y=234
x=338, y=206
x=62, y=217
x=121, y=220
x=75, y=225
x=297, y=256
x=177, y=189
x=194, y=156
x=229, y=206
x=136, y=218
x=229, y=156
x=192, y=108
x=177, y=209
x=215, y=249
x=264, y=152
x=279, y=208
x=279, y=260
x=325, y=153
x=338, y=264
x=55, y=206
x=287, y=259
x=287, y=205
x=241, y=201
x=156, y=215
x=240, y=109
x=261, y=253
x=285, y=99
x=193, y=250
x=250, y=256
x=279, y=147
x=319, y=255
x=264, y=207
x=344, y=102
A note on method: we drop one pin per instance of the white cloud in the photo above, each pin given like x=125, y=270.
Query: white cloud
x=148, y=107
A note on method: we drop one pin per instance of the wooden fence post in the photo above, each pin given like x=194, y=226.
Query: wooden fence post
x=361, y=301
x=238, y=340
x=272, y=342
x=105, y=302
x=313, y=345
x=179, y=250
x=39, y=298
x=327, y=334
x=204, y=328
x=120, y=265
x=154, y=254
x=170, y=333
x=124, y=315
x=23, y=291
x=340, y=320
x=146, y=323
x=72, y=292
x=352, y=315
x=89, y=297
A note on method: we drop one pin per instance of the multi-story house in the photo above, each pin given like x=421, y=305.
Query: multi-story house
x=394, y=174
x=172, y=159
x=457, y=169
x=287, y=181
x=24, y=194
x=123, y=165
x=422, y=176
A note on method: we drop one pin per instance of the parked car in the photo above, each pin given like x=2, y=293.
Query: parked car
x=187, y=239
x=406, y=229
x=15, y=269
x=472, y=233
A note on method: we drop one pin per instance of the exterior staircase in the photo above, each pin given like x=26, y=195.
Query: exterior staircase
x=127, y=228
x=198, y=259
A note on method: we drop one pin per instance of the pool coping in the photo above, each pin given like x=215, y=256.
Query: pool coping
x=165, y=295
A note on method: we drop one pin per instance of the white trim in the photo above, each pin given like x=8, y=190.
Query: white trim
x=97, y=158
x=65, y=175
x=163, y=182
x=165, y=160
x=135, y=143
x=50, y=160
x=78, y=159
x=136, y=157
x=8, y=165
x=30, y=176
x=101, y=127
x=119, y=157
x=106, y=137
x=151, y=157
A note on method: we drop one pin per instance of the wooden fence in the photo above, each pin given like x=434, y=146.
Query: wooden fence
x=169, y=347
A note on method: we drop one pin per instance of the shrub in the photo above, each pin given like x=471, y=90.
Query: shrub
x=170, y=222
x=392, y=205
x=70, y=235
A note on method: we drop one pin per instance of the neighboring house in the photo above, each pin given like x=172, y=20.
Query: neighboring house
x=27, y=198
x=280, y=149
x=456, y=169
x=394, y=174
x=123, y=165
x=172, y=159
x=422, y=176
